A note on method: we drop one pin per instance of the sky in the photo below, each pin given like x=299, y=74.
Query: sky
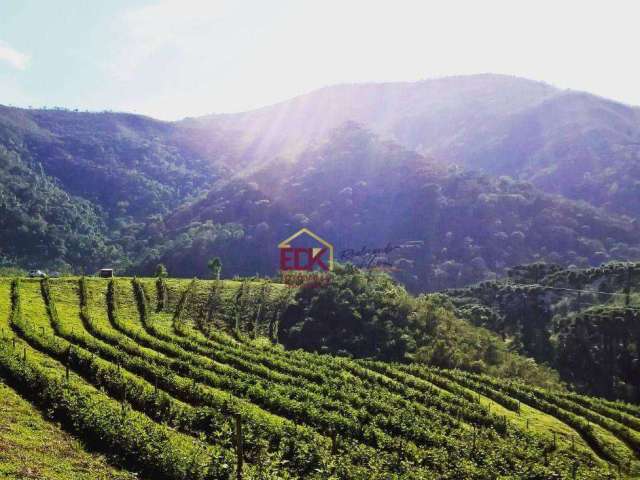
x=172, y=59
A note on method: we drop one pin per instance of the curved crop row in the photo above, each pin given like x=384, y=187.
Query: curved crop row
x=183, y=387
x=154, y=449
x=456, y=407
x=621, y=412
x=378, y=438
x=580, y=424
x=388, y=422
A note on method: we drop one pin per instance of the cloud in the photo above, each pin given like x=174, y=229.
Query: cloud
x=13, y=57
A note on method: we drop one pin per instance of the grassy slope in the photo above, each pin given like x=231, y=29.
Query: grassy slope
x=33, y=448
x=65, y=293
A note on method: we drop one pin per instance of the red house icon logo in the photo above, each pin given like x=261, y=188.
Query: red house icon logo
x=306, y=259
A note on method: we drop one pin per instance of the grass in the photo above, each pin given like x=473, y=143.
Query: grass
x=33, y=448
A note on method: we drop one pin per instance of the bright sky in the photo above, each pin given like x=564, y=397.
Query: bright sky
x=176, y=58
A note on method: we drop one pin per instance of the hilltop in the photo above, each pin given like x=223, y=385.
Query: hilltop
x=430, y=116
x=563, y=141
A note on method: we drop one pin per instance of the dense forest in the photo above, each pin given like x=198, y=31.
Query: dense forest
x=84, y=190
x=366, y=314
x=583, y=322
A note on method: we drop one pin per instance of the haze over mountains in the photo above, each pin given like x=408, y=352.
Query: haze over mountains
x=565, y=142
x=427, y=116
x=351, y=162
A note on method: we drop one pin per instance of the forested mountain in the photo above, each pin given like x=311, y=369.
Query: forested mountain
x=129, y=165
x=81, y=189
x=572, y=143
x=449, y=228
x=41, y=223
x=414, y=165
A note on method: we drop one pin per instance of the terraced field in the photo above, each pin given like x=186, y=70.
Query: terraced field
x=145, y=371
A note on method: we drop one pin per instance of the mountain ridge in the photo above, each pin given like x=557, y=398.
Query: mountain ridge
x=181, y=192
x=563, y=141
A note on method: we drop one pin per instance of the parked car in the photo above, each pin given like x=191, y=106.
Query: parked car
x=37, y=274
x=54, y=274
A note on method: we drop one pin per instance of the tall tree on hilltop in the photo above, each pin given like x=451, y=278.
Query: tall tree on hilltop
x=215, y=265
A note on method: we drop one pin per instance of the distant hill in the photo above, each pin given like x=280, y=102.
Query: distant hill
x=575, y=144
x=425, y=116
x=363, y=165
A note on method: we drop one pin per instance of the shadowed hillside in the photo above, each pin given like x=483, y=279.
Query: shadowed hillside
x=450, y=228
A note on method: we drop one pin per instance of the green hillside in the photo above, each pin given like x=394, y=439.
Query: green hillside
x=126, y=366
x=31, y=447
x=80, y=191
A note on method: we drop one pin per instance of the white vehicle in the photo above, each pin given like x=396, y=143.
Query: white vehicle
x=37, y=274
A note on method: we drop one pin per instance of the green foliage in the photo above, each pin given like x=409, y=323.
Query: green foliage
x=367, y=314
x=43, y=225
x=161, y=271
x=215, y=265
x=582, y=322
x=12, y=272
x=355, y=313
